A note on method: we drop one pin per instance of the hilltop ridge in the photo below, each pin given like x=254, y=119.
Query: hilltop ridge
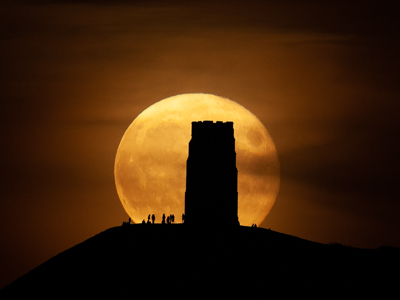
x=161, y=260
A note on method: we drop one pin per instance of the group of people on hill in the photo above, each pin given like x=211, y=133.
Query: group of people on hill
x=165, y=220
x=170, y=219
x=151, y=218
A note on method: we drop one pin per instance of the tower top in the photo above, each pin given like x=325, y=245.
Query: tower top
x=212, y=129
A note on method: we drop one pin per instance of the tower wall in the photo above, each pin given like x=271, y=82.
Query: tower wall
x=211, y=196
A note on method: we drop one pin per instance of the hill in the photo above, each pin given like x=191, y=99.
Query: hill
x=175, y=261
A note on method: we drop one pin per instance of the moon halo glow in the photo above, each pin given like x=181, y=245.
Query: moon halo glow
x=150, y=164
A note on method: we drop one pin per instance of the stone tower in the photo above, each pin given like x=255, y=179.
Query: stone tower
x=211, y=196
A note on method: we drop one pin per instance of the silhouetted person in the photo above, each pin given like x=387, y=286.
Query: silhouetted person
x=127, y=223
x=183, y=218
x=153, y=218
x=163, y=219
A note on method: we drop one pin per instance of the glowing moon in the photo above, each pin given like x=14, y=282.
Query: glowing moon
x=150, y=165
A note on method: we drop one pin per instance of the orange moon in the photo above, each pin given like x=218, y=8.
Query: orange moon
x=150, y=164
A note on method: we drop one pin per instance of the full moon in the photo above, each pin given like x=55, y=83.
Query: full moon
x=150, y=164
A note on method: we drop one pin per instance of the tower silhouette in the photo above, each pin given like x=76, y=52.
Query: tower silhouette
x=211, y=196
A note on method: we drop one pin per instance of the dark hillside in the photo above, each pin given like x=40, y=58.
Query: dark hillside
x=173, y=261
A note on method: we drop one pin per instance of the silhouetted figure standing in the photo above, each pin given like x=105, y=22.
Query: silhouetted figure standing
x=211, y=175
x=153, y=218
x=163, y=219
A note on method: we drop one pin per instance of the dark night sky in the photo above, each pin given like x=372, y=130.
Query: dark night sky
x=322, y=76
